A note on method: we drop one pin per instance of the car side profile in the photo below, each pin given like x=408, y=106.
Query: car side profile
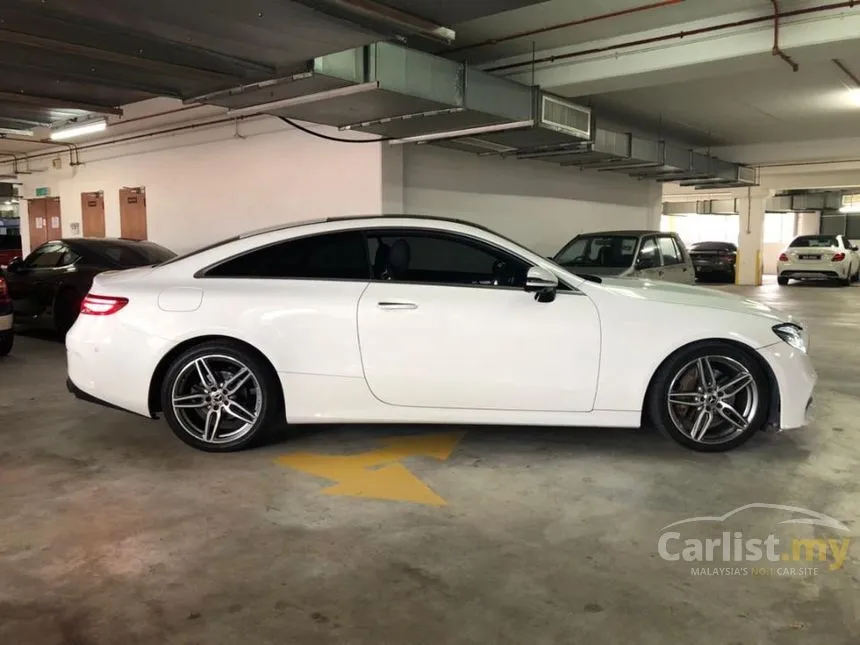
x=640, y=254
x=405, y=319
x=819, y=257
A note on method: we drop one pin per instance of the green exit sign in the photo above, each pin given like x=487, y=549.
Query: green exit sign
x=43, y=192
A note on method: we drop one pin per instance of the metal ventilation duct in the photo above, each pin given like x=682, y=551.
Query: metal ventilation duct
x=702, y=207
x=409, y=96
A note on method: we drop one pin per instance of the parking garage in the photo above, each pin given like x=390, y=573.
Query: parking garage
x=717, y=139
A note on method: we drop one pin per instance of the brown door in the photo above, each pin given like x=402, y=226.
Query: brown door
x=52, y=213
x=93, y=214
x=37, y=214
x=132, y=213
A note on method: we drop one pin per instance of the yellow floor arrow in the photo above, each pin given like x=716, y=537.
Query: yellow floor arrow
x=392, y=482
x=378, y=473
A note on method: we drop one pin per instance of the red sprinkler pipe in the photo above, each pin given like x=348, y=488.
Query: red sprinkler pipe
x=776, y=49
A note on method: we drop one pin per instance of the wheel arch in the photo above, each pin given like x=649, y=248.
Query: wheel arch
x=774, y=398
x=155, y=382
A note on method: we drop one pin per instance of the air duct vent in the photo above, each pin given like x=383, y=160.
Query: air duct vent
x=564, y=116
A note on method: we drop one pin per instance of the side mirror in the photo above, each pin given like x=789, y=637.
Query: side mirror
x=14, y=265
x=542, y=283
x=645, y=262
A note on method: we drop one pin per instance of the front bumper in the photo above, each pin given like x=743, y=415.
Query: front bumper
x=795, y=380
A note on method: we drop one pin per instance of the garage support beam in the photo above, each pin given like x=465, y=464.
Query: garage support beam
x=751, y=237
x=614, y=67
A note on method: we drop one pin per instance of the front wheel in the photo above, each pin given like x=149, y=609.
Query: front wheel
x=220, y=397
x=710, y=397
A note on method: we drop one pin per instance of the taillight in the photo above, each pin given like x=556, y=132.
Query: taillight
x=102, y=305
x=4, y=292
x=838, y=257
x=783, y=257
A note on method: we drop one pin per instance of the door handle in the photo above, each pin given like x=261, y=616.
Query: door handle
x=397, y=305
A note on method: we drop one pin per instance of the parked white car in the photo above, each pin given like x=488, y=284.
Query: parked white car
x=426, y=320
x=819, y=257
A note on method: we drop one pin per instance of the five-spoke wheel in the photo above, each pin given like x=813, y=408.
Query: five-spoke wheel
x=219, y=396
x=710, y=397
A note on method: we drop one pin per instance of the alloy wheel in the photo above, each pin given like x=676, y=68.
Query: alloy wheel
x=713, y=399
x=217, y=399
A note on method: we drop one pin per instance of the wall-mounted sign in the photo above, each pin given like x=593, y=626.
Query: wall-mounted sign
x=55, y=222
x=43, y=191
x=76, y=228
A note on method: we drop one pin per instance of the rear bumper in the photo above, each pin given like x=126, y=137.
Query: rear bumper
x=813, y=270
x=6, y=321
x=89, y=398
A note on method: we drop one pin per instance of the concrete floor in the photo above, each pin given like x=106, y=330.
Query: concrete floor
x=113, y=531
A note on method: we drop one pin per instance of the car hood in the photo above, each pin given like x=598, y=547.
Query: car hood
x=683, y=294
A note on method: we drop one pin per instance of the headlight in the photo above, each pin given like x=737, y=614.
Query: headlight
x=792, y=334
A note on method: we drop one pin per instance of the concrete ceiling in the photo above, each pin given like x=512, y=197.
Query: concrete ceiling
x=593, y=20
x=768, y=104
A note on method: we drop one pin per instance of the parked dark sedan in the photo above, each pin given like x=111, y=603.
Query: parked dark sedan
x=714, y=260
x=48, y=285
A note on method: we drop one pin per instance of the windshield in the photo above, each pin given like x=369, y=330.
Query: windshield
x=611, y=251
x=815, y=241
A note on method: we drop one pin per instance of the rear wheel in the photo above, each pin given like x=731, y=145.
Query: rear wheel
x=220, y=397
x=845, y=282
x=781, y=281
x=710, y=397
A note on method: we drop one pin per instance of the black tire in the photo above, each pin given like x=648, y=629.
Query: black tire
x=6, y=343
x=731, y=277
x=67, y=306
x=844, y=282
x=781, y=281
x=658, y=406
x=269, y=413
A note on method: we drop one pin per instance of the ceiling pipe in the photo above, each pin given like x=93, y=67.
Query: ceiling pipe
x=833, y=6
x=777, y=51
x=571, y=23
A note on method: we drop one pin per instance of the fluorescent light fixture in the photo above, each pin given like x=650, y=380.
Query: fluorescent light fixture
x=78, y=129
x=854, y=96
x=855, y=208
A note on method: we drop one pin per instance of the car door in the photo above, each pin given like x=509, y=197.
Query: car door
x=446, y=323
x=30, y=282
x=673, y=260
x=648, y=264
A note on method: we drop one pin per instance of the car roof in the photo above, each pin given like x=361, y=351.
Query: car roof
x=631, y=232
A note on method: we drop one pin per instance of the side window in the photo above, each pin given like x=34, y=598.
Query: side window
x=648, y=256
x=332, y=256
x=46, y=256
x=440, y=258
x=670, y=252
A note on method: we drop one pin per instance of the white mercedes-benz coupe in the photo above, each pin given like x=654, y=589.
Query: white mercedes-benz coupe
x=411, y=319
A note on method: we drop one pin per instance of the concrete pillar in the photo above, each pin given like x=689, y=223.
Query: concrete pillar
x=392, y=160
x=655, y=206
x=751, y=207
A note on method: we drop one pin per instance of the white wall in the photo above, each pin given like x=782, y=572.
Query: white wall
x=207, y=184
x=539, y=204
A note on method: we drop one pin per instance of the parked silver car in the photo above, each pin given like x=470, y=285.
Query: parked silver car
x=641, y=254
